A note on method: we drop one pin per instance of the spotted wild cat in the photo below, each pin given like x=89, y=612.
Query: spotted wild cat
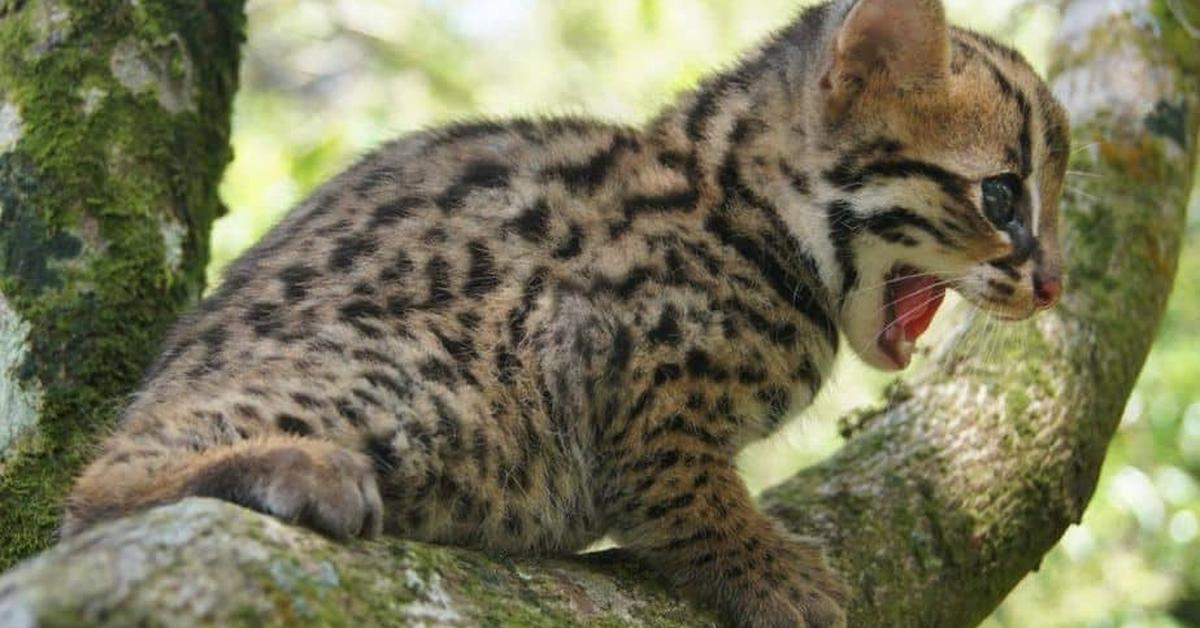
x=523, y=335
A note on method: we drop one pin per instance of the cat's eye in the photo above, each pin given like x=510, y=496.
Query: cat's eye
x=1000, y=197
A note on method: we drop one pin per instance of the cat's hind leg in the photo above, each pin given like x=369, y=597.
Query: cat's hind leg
x=315, y=483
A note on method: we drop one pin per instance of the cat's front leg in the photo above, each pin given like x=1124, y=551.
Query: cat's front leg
x=686, y=512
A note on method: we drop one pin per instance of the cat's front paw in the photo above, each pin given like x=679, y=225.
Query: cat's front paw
x=793, y=586
x=791, y=606
x=315, y=484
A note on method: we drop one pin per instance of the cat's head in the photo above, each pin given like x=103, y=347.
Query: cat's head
x=951, y=155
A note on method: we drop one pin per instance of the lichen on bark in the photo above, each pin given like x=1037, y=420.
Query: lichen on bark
x=273, y=574
x=11, y=125
x=20, y=402
x=107, y=195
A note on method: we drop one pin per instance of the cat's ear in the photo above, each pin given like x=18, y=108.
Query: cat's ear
x=903, y=42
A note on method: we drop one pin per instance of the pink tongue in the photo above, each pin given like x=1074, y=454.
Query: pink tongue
x=917, y=301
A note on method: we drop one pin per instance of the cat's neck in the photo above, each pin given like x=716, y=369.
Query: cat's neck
x=751, y=143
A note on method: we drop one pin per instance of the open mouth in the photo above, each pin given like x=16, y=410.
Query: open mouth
x=913, y=298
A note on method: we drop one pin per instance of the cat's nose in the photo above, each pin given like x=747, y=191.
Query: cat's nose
x=1047, y=289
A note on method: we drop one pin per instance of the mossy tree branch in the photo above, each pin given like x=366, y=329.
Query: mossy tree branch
x=937, y=506
x=114, y=133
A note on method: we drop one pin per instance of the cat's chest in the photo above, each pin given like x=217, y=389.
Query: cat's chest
x=732, y=362
x=776, y=368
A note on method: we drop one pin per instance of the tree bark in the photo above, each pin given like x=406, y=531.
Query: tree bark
x=941, y=501
x=114, y=133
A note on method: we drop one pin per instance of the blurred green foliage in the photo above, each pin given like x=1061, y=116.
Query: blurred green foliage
x=326, y=80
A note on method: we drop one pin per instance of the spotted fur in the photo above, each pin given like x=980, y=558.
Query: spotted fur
x=523, y=335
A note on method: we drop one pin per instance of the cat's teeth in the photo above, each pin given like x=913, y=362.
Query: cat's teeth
x=906, y=347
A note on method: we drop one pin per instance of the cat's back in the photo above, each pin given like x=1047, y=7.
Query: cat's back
x=439, y=232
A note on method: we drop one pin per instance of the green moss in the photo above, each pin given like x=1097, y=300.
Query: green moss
x=247, y=616
x=83, y=261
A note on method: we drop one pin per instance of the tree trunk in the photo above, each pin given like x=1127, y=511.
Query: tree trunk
x=114, y=132
x=937, y=506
